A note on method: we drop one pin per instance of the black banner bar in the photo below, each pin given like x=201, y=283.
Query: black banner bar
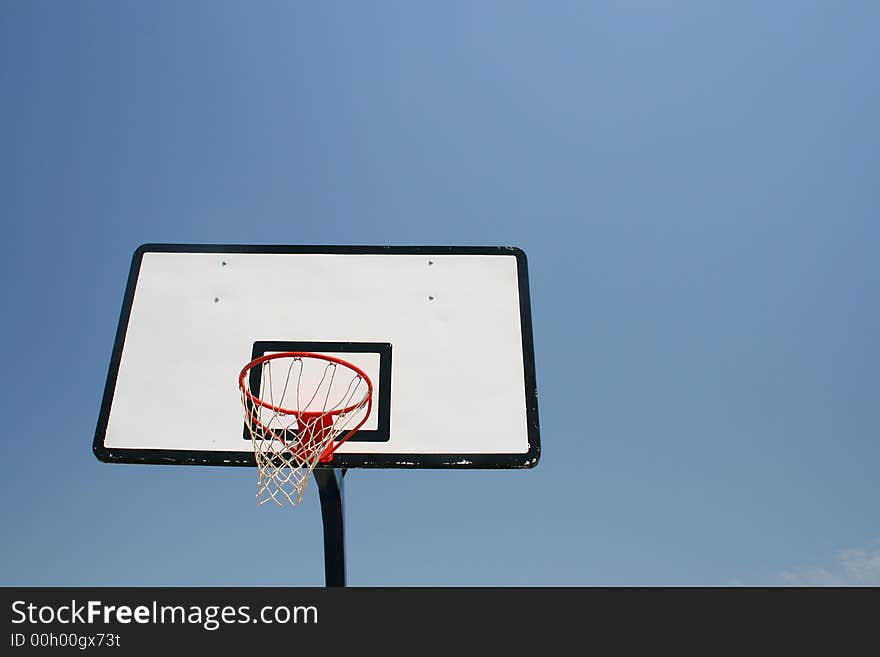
x=122, y=621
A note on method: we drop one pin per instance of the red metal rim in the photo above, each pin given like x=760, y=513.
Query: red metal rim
x=303, y=354
x=327, y=456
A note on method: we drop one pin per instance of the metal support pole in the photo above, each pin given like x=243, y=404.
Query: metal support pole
x=332, y=512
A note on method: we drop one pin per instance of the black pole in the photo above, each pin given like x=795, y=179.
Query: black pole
x=332, y=513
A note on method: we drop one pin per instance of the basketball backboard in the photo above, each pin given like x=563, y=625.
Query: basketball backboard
x=444, y=334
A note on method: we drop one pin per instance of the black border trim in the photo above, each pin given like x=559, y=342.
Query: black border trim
x=429, y=461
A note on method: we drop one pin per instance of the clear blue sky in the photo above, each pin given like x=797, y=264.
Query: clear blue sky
x=697, y=187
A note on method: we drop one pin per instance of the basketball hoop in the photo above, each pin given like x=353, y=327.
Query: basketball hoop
x=295, y=417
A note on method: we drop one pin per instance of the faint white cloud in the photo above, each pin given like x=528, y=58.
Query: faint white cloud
x=852, y=567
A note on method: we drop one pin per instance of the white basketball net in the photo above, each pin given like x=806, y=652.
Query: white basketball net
x=315, y=401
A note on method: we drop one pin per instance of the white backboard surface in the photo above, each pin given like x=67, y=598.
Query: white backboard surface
x=443, y=332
